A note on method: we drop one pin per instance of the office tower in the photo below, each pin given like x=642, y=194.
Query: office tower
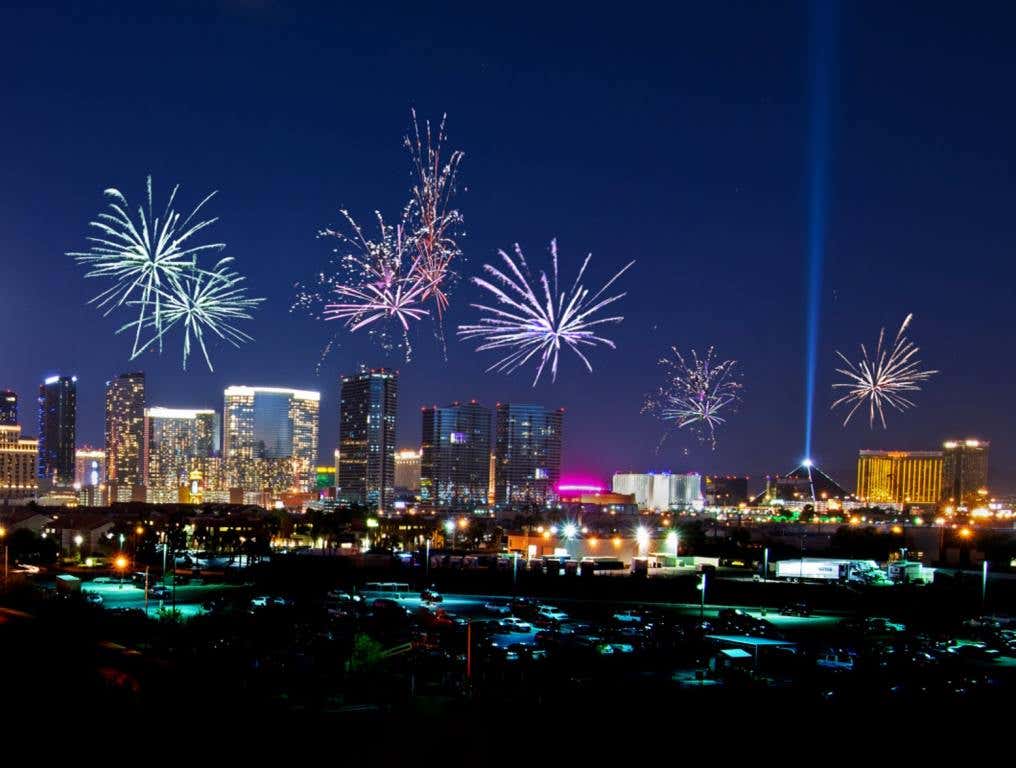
x=725, y=490
x=8, y=408
x=367, y=436
x=18, y=464
x=455, y=456
x=125, y=436
x=965, y=471
x=407, y=470
x=173, y=438
x=528, y=454
x=899, y=477
x=89, y=467
x=270, y=439
x=660, y=491
x=57, y=424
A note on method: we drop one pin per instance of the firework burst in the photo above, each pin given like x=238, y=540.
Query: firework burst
x=203, y=301
x=142, y=257
x=884, y=380
x=698, y=394
x=378, y=281
x=153, y=265
x=538, y=326
x=436, y=222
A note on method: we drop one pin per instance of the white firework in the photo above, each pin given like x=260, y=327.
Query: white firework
x=884, y=380
x=142, y=258
x=697, y=395
x=203, y=301
x=538, y=326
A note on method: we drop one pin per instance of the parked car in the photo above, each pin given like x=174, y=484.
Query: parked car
x=93, y=599
x=552, y=613
x=159, y=592
x=498, y=606
x=630, y=616
x=514, y=624
x=796, y=609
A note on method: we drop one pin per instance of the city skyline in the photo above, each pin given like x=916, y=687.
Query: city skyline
x=706, y=190
x=325, y=453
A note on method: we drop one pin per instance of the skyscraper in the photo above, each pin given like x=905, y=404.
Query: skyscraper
x=528, y=454
x=965, y=470
x=899, y=477
x=367, y=436
x=8, y=408
x=125, y=436
x=455, y=456
x=89, y=467
x=407, y=470
x=18, y=464
x=173, y=438
x=270, y=437
x=58, y=396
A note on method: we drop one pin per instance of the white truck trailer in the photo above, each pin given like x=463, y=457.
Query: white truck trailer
x=829, y=570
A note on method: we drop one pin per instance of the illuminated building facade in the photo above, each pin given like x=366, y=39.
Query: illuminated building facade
x=173, y=437
x=725, y=490
x=8, y=408
x=367, y=436
x=125, y=436
x=324, y=478
x=18, y=463
x=89, y=467
x=407, y=470
x=455, y=456
x=270, y=438
x=965, y=470
x=899, y=477
x=58, y=406
x=661, y=491
x=527, y=447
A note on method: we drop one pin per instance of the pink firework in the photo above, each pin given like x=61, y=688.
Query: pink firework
x=435, y=220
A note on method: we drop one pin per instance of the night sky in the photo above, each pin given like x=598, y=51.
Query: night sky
x=679, y=140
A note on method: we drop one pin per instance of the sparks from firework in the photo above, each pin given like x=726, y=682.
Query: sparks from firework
x=696, y=395
x=379, y=280
x=203, y=301
x=144, y=257
x=535, y=325
x=882, y=380
x=435, y=221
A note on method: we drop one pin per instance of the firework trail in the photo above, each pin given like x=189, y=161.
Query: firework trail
x=696, y=395
x=532, y=325
x=882, y=380
x=203, y=300
x=435, y=221
x=142, y=257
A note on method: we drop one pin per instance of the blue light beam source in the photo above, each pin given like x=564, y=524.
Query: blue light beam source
x=821, y=58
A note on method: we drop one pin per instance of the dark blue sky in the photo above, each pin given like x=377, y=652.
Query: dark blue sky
x=678, y=138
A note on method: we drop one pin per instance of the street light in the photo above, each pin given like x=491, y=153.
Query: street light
x=79, y=540
x=121, y=565
x=702, y=591
x=642, y=539
x=449, y=526
x=673, y=543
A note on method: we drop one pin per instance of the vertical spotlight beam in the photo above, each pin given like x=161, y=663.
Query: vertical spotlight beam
x=822, y=39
